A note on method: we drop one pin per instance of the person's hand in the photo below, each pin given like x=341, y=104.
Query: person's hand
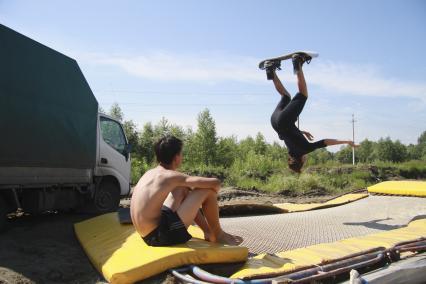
x=308, y=135
x=352, y=144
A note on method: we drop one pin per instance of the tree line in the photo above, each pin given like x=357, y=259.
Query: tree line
x=204, y=150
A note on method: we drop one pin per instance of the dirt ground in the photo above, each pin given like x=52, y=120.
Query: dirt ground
x=43, y=248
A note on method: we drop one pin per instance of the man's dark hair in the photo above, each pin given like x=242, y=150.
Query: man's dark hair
x=295, y=164
x=167, y=148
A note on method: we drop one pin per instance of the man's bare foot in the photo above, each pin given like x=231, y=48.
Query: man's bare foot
x=209, y=237
x=229, y=239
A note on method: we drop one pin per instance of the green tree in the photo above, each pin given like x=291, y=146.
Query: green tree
x=344, y=155
x=204, y=144
x=245, y=146
x=319, y=156
x=162, y=128
x=422, y=139
x=226, y=151
x=259, y=144
x=276, y=152
x=421, y=146
x=130, y=129
x=189, y=156
x=387, y=150
x=116, y=112
x=365, y=152
x=146, y=142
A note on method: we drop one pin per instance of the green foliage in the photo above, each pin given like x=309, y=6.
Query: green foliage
x=365, y=152
x=412, y=169
x=116, y=112
x=387, y=150
x=139, y=167
x=252, y=163
x=344, y=156
x=146, y=143
x=131, y=132
x=320, y=156
x=226, y=154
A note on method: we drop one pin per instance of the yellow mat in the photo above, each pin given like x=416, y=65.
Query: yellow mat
x=120, y=254
x=409, y=188
x=292, y=207
x=265, y=265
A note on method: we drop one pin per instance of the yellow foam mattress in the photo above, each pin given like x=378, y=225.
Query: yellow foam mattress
x=121, y=256
x=292, y=207
x=266, y=265
x=409, y=188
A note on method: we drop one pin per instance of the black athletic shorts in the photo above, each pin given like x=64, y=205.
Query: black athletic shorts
x=283, y=121
x=287, y=111
x=170, y=231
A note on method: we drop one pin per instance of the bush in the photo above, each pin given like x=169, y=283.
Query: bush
x=413, y=169
x=254, y=166
x=206, y=171
x=139, y=167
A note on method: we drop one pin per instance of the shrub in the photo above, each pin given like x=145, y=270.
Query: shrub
x=139, y=167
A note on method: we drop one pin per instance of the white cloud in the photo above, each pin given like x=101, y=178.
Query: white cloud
x=168, y=67
x=365, y=80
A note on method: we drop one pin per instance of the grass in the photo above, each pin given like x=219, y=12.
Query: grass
x=259, y=173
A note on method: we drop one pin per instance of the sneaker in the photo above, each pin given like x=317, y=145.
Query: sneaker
x=270, y=67
x=298, y=60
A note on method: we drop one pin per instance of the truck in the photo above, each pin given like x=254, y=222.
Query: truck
x=57, y=152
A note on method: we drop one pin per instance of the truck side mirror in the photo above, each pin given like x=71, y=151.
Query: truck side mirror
x=127, y=150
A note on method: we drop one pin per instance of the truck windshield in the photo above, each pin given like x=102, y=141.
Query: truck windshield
x=113, y=135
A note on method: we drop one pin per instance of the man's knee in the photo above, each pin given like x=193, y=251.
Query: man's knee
x=208, y=191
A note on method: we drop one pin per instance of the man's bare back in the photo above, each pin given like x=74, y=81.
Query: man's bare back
x=148, y=197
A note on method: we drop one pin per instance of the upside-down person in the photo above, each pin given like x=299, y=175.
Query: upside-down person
x=285, y=115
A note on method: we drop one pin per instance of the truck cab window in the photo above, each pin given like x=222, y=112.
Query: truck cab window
x=113, y=135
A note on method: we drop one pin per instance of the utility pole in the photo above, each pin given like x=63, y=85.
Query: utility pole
x=353, y=139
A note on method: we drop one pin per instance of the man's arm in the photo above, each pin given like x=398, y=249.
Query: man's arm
x=308, y=135
x=197, y=182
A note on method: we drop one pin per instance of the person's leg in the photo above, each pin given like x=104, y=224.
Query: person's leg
x=298, y=61
x=175, y=198
x=292, y=111
x=285, y=99
x=174, y=201
x=208, y=200
x=301, y=83
x=279, y=86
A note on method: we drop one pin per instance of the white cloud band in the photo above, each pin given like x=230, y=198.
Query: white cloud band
x=334, y=77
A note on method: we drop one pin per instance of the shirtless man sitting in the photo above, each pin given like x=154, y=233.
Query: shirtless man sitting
x=165, y=202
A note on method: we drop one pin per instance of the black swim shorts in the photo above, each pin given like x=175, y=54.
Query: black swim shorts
x=170, y=231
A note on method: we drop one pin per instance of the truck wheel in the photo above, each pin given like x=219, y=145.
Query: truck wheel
x=107, y=197
x=3, y=212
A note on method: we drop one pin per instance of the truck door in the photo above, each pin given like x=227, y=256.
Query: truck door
x=114, y=156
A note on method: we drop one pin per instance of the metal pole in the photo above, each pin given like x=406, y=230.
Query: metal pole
x=353, y=139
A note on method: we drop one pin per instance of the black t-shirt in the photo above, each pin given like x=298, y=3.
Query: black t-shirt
x=296, y=142
x=283, y=121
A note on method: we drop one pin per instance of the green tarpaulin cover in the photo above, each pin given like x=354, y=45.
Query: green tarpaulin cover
x=48, y=114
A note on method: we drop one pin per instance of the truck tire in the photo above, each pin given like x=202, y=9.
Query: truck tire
x=3, y=212
x=107, y=197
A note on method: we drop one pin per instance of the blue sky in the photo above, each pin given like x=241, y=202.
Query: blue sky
x=172, y=59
